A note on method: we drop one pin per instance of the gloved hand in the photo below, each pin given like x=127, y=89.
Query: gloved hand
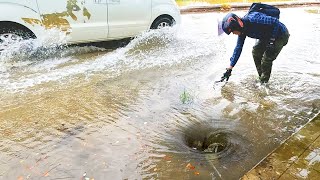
x=270, y=45
x=227, y=74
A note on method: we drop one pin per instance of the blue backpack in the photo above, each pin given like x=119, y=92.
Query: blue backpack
x=265, y=9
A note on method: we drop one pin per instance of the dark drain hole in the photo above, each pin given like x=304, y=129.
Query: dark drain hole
x=212, y=143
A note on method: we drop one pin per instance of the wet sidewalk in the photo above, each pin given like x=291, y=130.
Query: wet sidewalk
x=297, y=158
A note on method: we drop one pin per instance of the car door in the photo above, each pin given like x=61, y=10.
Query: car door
x=127, y=18
x=83, y=20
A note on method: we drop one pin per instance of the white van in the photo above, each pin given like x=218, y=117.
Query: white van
x=84, y=20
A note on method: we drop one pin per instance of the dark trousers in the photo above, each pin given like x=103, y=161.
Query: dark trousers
x=263, y=57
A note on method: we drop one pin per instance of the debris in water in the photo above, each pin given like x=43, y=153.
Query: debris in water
x=189, y=166
x=185, y=97
x=84, y=177
x=46, y=174
x=167, y=158
x=303, y=173
x=214, y=148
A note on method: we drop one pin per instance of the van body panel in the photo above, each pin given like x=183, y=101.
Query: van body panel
x=82, y=20
x=32, y=4
x=29, y=17
x=127, y=18
x=87, y=21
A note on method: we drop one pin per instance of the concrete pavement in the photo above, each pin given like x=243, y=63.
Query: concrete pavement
x=297, y=158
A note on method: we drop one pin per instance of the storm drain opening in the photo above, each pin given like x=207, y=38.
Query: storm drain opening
x=213, y=142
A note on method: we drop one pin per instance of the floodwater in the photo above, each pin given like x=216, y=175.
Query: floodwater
x=142, y=111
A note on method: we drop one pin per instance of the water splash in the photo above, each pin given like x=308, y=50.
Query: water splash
x=45, y=45
x=41, y=61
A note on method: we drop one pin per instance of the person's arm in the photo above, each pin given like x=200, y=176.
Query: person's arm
x=233, y=60
x=237, y=51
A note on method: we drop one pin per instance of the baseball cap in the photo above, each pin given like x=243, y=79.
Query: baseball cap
x=220, y=30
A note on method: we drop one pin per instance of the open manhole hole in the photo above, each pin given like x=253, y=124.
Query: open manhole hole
x=213, y=142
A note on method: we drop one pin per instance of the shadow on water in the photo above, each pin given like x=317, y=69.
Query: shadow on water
x=112, y=45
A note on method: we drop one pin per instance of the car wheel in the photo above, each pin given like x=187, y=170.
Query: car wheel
x=9, y=36
x=162, y=22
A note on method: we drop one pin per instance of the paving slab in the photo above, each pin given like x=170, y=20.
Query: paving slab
x=297, y=158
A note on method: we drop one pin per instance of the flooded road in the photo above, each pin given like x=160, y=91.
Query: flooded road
x=149, y=110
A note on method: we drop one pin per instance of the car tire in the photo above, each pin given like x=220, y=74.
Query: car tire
x=162, y=22
x=10, y=35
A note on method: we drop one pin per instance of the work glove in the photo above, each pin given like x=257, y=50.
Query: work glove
x=225, y=75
